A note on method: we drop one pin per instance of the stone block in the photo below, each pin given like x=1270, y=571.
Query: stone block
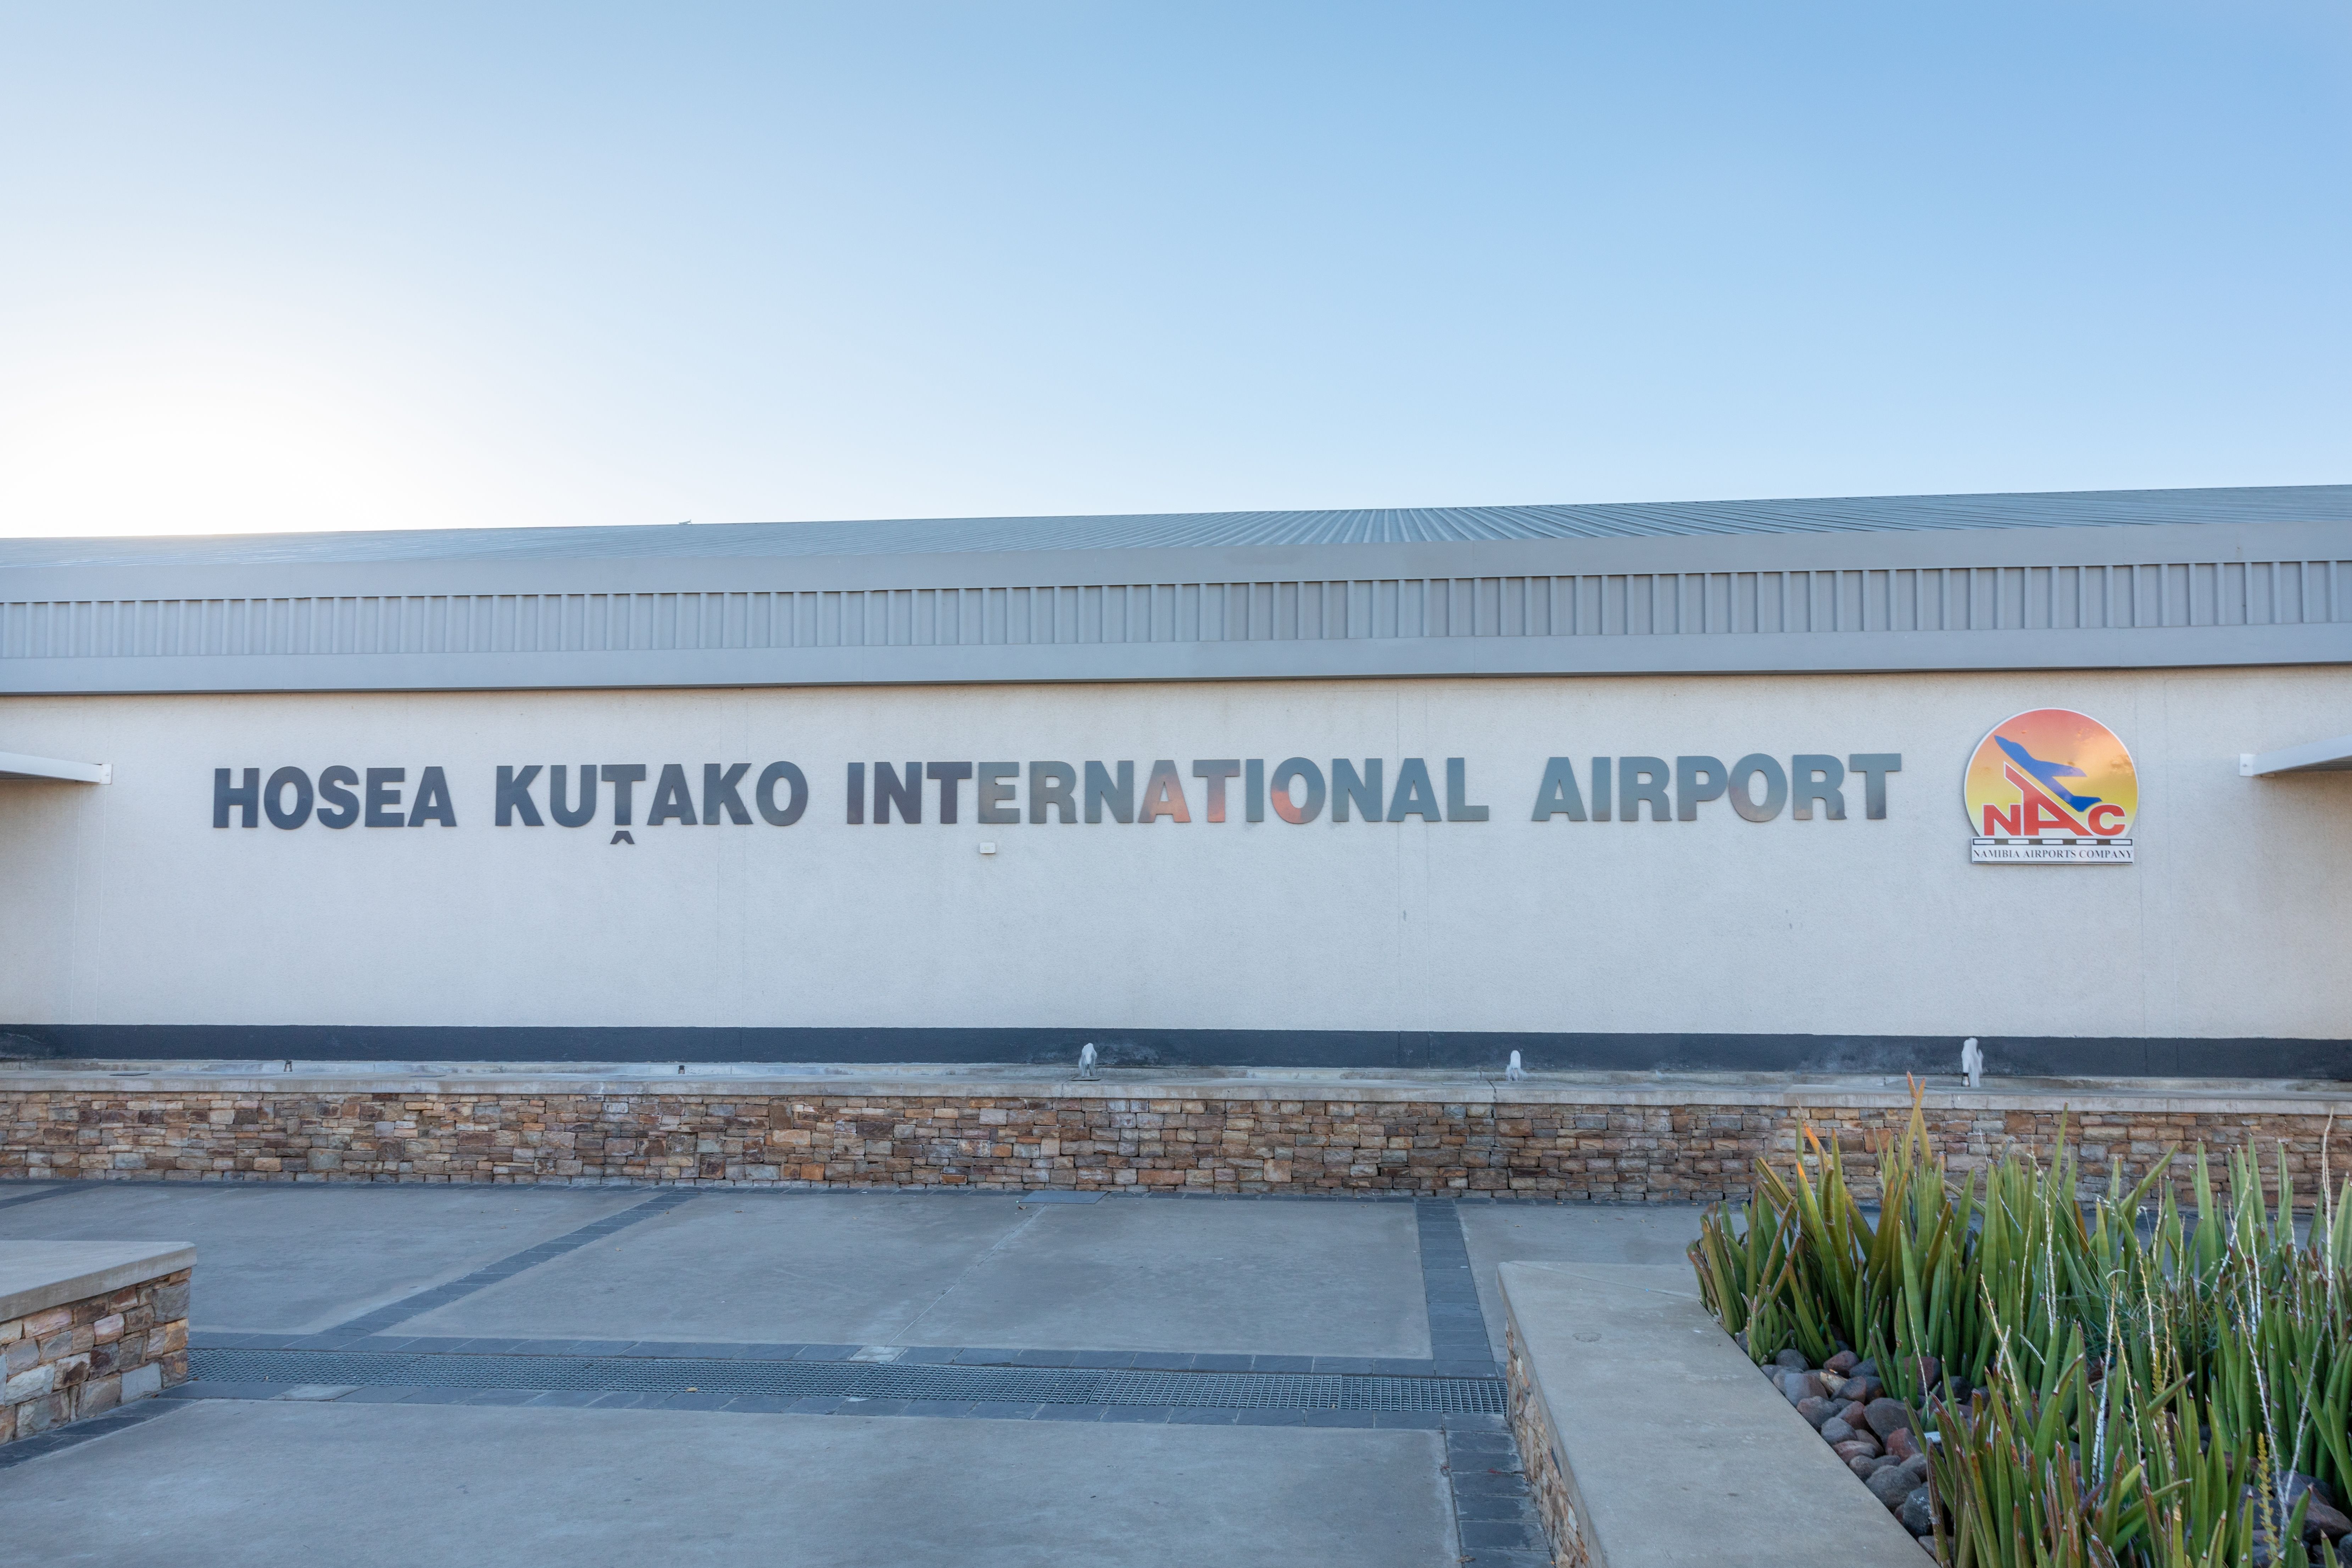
x=142, y=1382
x=43, y=1325
x=31, y=1383
x=97, y=1395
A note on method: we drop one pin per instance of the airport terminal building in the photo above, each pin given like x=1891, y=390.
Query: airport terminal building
x=1768, y=786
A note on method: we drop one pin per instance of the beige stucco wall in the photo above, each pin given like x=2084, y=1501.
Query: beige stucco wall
x=124, y=905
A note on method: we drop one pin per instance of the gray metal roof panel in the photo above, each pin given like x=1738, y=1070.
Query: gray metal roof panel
x=2136, y=579
x=1179, y=530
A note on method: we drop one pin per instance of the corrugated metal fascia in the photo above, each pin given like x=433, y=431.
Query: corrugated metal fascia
x=1791, y=653
x=1477, y=558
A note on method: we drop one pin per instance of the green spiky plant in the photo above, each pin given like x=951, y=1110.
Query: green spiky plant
x=2142, y=1384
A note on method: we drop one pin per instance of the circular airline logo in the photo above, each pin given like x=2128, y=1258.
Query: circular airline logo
x=2051, y=787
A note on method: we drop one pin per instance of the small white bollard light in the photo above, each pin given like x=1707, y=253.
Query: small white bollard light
x=1972, y=1062
x=988, y=846
x=1512, y=1071
x=1086, y=1061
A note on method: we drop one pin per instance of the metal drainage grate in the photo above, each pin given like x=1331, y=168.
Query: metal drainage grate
x=858, y=1380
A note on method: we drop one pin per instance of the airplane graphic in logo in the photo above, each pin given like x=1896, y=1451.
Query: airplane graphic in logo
x=2048, y=773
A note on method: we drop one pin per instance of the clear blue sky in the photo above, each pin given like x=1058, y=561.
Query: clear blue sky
x=424, y=265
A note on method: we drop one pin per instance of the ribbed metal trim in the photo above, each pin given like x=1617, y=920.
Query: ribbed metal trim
x=1409, y=525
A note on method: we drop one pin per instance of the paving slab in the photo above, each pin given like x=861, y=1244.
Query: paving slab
x=1571, y=1233
x=221, y=1484
x=1233, y=1278
x=299, y=1259
x=852, y=1269
x=928, y=1270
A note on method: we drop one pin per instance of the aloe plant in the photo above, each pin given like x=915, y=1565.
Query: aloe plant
x=2142, y=1384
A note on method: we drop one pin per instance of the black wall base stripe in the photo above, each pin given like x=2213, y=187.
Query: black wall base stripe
x=2008, y=1056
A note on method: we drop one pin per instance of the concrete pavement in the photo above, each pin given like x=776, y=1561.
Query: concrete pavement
x=226, y=1484
x=375, y=1472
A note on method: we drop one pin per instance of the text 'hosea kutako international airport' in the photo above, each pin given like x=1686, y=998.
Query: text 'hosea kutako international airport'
x=1770, y=785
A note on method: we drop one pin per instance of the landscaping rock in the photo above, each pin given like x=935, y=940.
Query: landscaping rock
x=2321, y=1516
x=1835, y=1431
x=1817, y=1411
x=1864, y=1469
x=1861, y=1388
x=1792, y=1361
x=1800, y=1386
x=1852, y=1411
x=1916, y=1514
x=2297, y=1483
x=1886, y=1416
x=1891, y=1485
x=1842, y=1364
x=1854, y=1448
x=1916, y=1469
x=1900, y=1443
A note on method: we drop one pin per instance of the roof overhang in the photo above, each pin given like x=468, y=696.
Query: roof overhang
x=2137, y=580
x=2317, y=757
x=16, y=765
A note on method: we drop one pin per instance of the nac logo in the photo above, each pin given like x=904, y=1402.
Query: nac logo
x=2052, y=787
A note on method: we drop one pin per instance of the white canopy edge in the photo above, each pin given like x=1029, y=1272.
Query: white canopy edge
x=14, y=765
x=2317, y=757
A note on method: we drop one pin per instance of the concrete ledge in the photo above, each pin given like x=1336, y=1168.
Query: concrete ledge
x=918, y=1081
x=86, y=1327
x=1652, y=1442
x=37, y=1275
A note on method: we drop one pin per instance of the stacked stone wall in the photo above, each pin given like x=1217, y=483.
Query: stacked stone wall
x=1539, y=1456
x=1184, y=1140
x=83, y=1358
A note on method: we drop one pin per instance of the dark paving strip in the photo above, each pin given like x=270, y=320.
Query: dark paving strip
x=1492, y=1510
x=830, y=1404
x=1457, y=1325
x=506, y=1268
x=33, y=1197
x=907, y=1355
x=845, y=1380
x=245, y=1182
x=80, y=1432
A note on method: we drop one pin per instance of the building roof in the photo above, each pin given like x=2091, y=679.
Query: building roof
x=2110, y=579
x=1193, y=530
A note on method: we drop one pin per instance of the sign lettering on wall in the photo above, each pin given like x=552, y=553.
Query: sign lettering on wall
x=1296, y=790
